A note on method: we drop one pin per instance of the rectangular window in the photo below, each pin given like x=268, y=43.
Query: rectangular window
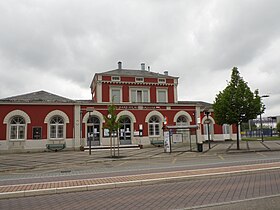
x=52, y=131
x=139, y=79
x=116, y=95
x=60, y=131
x=115, y=78
x=21, y=132
x=140, y=96
x=161, y=80
x=162, y=96
x=13, y=132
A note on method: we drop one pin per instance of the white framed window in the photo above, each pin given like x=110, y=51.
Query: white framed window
x=161, y=80
x=154, y=127
x=56, y=127
x=161, y=95
x=17, y=128
x=139, y=95
x=115, y=78
x=116, y=95
x=139, y=79
x=226, y=129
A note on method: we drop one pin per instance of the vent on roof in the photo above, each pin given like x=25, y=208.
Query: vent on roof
x=143, y=66
x=119, y=65
x=165, y=73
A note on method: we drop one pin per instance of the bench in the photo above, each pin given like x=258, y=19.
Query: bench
x=157, y=143
x=55, y=147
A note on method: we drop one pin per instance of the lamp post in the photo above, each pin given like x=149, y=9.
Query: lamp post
x=88, y=110
x=263, y=96
x=207, y=121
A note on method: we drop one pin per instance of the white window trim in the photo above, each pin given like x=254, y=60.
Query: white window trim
x=161, y=80
x=48, y=120
x=116, y=88
x=7, y=121
x=137, y=89
x=115, y=80
x=142, y=79
x=166, y=94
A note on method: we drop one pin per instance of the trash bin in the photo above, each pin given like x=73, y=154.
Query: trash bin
x=200, y=147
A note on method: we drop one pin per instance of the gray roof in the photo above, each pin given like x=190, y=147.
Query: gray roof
x=201, y=103
x=137, y=73
x=37, y=97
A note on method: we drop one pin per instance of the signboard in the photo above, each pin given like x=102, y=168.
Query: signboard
x=177, y=137
x=167, y=146
x=37, y=132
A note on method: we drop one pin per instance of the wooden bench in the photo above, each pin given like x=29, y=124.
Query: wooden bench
x=55, y=147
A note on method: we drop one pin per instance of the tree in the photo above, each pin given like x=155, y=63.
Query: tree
x=113, y=125
x=278, y=128
x=237, y=103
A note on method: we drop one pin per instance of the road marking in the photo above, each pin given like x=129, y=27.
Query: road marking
x=221, y=157
x=121, y=164
x=261, y=154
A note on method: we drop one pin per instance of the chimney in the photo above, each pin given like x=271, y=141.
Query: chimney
x=165, y=73
x=143, y=66
x=149, y=69
x=119, y=65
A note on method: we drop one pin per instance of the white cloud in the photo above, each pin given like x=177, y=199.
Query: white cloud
x=67, y=42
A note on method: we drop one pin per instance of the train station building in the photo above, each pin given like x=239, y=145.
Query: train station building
x=145, y=101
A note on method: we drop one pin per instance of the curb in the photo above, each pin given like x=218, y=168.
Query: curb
x=82, y=188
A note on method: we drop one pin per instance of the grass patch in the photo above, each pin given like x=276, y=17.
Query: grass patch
x=265, y=138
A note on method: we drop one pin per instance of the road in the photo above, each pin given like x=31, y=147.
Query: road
x=230, y=191
x=179, y=195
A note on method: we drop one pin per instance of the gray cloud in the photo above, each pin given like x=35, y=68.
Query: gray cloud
x=59, y=45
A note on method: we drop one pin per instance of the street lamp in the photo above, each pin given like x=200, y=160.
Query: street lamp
x=263, y=96
x=88, y=110
x=207, y=121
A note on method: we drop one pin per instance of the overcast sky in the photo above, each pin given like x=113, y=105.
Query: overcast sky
x=58, y=45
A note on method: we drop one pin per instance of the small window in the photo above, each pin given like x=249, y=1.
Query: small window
x=140, y=96
x=161, y=80
x=115, y=78
x=116, y=95
x=162, y=96
x=139, y=79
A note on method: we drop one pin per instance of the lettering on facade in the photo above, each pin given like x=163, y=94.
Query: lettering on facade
x=139, y=107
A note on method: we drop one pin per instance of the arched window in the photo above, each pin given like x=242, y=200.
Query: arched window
x=154, y=126
x=183, y=121
x=17, y=128
x=56, y=127
x=125, y=130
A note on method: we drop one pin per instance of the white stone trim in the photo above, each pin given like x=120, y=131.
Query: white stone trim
x=47, y=121
x=94, y=113
x=8, y=118
x=15, y=113
x=210, y=118
x=184, y=113
x=127, y=113
x=56, y=112
x=152, y=113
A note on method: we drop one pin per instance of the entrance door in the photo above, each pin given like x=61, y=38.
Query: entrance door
x=125, y=131
x=93, y=130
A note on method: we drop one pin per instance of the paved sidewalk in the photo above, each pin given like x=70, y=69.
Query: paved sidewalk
x=46, y=188
x=53, y=160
